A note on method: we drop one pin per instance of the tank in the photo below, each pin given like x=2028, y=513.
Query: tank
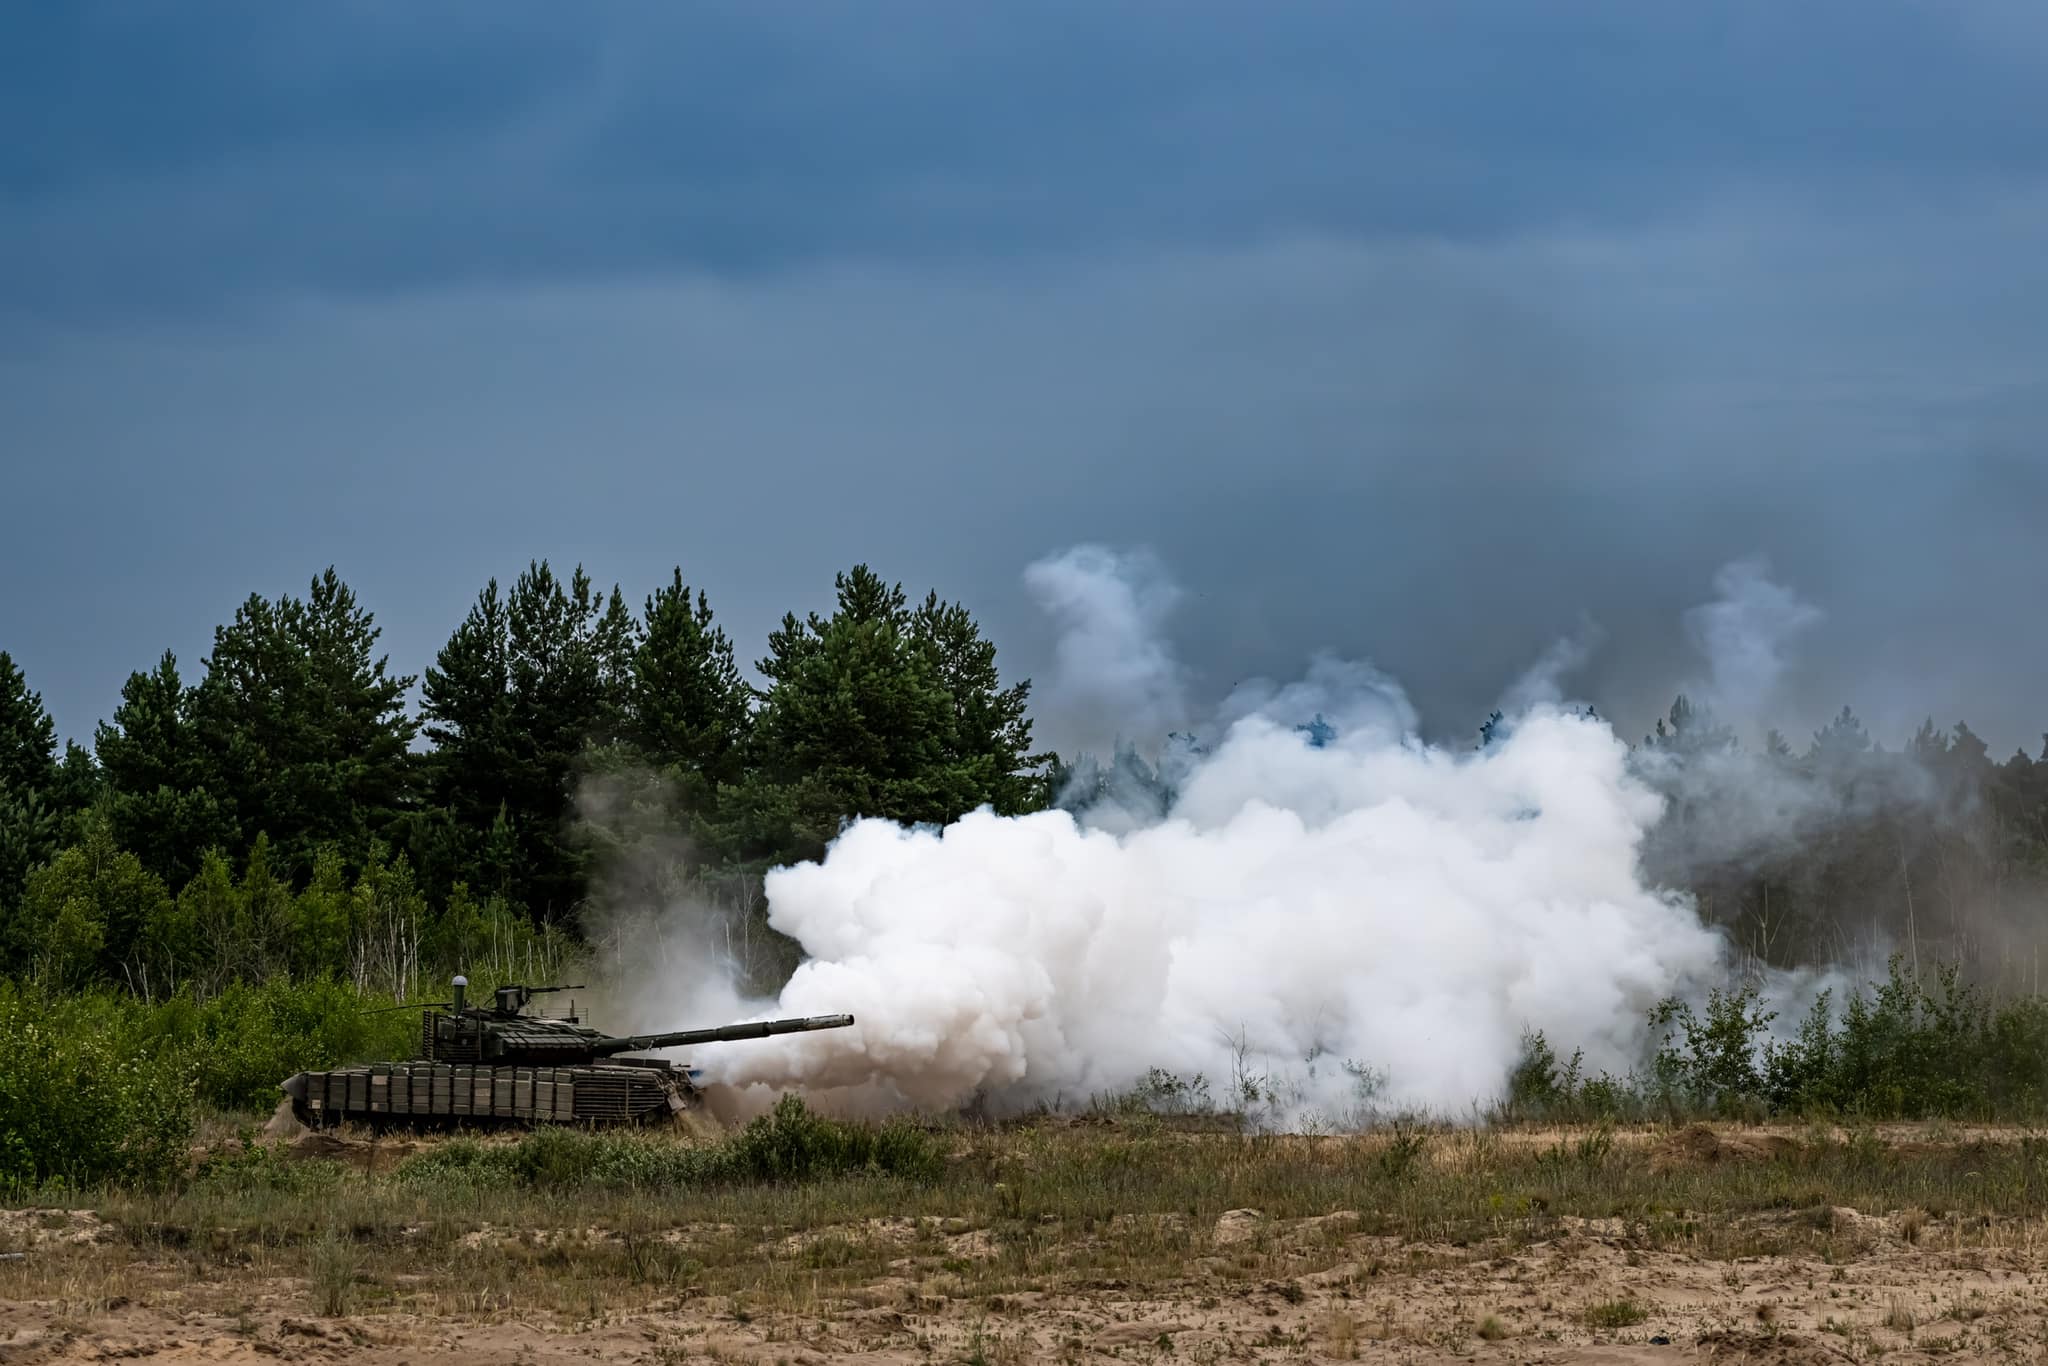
x=497, y=1065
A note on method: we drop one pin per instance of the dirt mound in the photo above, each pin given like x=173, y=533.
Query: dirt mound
x=365, y=1154
x=1700, y=1145
x=1237, y=1226
x=33, y=1228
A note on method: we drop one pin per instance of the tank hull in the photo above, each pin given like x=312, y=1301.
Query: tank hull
x=438, y=1094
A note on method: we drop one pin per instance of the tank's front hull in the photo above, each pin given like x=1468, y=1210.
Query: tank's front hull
x=419, y=1094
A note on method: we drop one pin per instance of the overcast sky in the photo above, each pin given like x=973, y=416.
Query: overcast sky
x=1413, y=331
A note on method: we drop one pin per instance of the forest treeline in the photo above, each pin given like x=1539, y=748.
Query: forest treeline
x=278, y=811
x=281, y=812
x=1845, y=852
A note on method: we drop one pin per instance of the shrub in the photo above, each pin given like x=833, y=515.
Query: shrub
x=79, y=1108
x=1911, y=1047
x=792, y=1144
x=242, y=1042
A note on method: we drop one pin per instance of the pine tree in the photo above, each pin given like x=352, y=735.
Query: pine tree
x=881, y=711
x=853, y=720
x=156, y=776
x=31, y=827
x=1842, y=740
x=304, y=730
x=28, y=736
x=690, y=707
x=990, y=739
x=514, y=700
x=78, y=787
x=1692, y=730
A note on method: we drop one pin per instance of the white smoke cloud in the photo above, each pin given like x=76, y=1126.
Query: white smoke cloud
x=1542, y=684
x=1346, y=694
x=1306, y=900
x=1113, y=672
x=1746, y=633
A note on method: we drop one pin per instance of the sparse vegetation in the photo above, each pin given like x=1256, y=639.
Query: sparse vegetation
x=779, y=1222
x=790, y=1144
x=1611, y=1314
x=1909, y=1047
x=331, y=1271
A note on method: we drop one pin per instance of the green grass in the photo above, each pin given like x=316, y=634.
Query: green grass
x=101, y=1086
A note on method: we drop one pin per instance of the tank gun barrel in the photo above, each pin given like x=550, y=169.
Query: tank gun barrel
x=758, y=1029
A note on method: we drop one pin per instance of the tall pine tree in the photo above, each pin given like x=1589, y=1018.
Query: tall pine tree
x=690, y=707
x=28, y=736
x=522, y=688
x=156, y=775
x=882, y=711
x=303, y=728
x=30, y=818
x=989, y=743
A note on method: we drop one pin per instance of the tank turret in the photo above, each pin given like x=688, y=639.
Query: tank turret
x=483, y=1063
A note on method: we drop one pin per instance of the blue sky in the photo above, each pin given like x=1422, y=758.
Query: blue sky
x=1413, y=331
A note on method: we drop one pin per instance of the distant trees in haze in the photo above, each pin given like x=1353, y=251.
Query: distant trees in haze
x=1844, y=851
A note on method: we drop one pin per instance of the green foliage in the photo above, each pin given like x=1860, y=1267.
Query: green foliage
x=789, y=1144
x=31, y=790
x=690, y=707
x=524, y=686
x=304, y=731
x=881, y=711
x=157, y=776
x=289, y=828
x=30, y=832
x=792, y=1144
x=99, y=1086
x=85, y=915
x=1717, y=1070
x=250, y=1166
x=238, y=1045
x=28, y=737
x=1909, y=1048
x=77, y=1104
x=1542, y=1088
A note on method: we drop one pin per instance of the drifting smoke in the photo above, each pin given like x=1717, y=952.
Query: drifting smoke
x=1735, y=807
x=1112, y=661
x=1319, y=895
x=1543, y=684
x=1745, y=634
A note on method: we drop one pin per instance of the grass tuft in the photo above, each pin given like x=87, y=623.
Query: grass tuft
x=332, y=1270
x=1615, y=1314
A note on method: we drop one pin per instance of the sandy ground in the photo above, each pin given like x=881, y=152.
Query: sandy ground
x=1898, y=1288
x=1390, y=1303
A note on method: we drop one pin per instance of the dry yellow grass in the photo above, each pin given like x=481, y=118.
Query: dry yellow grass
x=1073, y=1242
